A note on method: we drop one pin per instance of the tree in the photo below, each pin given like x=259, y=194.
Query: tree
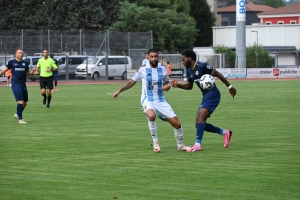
x=229, y=55
x=205, y=20
x=273, y=3
x=171, y=31
x=58, y=15
x=264, y=60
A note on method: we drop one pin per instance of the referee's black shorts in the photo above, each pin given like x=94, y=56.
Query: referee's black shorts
x=46, y=82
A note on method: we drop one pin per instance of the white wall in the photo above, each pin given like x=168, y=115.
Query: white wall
x=268, y=35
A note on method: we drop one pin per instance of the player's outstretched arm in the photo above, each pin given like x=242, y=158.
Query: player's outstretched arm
x=128, y=85
x=187, y=86
x=3, y=70
x=232, y=90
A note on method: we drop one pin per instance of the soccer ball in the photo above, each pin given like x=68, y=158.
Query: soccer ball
x=207, y=82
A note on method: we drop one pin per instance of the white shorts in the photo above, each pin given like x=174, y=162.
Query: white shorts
x=162, y=108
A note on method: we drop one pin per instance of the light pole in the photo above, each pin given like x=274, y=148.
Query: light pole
x=256, y=53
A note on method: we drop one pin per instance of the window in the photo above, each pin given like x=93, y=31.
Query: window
x=76, y=61
x=280, y=22
x=102, y=61
x=61, y=61
x=292, y=22
x=224, y=23
x=35, y=61
x=122, y=61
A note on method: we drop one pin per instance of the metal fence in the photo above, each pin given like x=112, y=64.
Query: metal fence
x=79, y=42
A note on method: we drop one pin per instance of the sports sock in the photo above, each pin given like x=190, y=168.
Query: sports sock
x=179, y=136
x=153, y=130
x=55, y=83
x=45, y=96
x=19, y=111
x=200, y=132
x=49, y=100
x=213, y=129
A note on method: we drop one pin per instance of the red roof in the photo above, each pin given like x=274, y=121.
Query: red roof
x=288, y=9
x=249, y=8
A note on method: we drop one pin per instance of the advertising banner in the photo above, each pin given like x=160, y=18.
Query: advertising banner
x=240, y=10
x=233, y=72
x=177, y=73
x=273, y=72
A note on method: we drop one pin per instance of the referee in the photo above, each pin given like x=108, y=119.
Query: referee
x=45, y=65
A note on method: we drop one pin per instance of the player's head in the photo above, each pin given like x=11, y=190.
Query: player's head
x=188, y=57
x=153, y=57
x=146, y=55
x=51, y=55
x=19, y=54
x=45, y=53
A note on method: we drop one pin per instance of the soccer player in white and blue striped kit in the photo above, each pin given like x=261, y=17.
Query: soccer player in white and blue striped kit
x=155, y=81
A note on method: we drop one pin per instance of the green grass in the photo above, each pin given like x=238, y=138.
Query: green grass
x=90, y=146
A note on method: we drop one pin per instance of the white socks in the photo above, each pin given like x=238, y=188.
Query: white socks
x=153, y=130
x=178, y=136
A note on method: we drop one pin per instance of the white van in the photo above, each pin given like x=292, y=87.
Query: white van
x=117, y=67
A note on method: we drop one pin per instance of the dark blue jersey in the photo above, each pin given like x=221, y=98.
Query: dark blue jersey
x=194, y=75
x=18, y=70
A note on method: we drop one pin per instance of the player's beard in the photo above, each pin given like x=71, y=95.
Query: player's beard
x=154, y=63
x=188, y=64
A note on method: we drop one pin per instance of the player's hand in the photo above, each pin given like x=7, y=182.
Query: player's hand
x=174, y=83
x=166, y=87
x=116, y=94
x=232, y=91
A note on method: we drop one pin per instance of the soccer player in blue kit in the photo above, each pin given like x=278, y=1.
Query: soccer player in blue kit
x=19, y=69
x=211, y=98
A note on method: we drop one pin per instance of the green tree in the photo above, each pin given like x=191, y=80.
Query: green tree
x=58, y=15
x=264, y=60
x=171, y=31
x=205, y=20
x=272, y=3
x=229, y=55
x=181, y=6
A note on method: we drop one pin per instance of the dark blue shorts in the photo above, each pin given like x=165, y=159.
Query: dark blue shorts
x=211, y=100
x=20, y=92
x=55, y=75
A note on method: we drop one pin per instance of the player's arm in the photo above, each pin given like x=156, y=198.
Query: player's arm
x=128, y=85
x=3, y=70
x=32, y=71
x=54, y=66
x=187, y=86
x=232, y=90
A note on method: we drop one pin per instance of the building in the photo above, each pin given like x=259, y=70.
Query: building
x=289, y=14
x=228, y=14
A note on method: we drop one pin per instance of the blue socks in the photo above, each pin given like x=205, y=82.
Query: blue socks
x=200, y=131
x=20, y=110
x=211, y=128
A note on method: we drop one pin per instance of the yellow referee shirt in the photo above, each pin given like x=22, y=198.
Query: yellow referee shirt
x=44, y=64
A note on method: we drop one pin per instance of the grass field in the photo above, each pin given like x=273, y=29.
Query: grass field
x=90, y=146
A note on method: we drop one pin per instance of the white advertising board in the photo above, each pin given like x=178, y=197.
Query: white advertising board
x=273, y=72
x=233, y=72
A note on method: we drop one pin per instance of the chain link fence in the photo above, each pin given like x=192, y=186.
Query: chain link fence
x=78, y=42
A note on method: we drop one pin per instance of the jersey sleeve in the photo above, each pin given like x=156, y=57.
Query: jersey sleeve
x=38, y=65
x=165, y=74
x=9, y=64
x=189, y=79
x=26, y=65
x=138, y=75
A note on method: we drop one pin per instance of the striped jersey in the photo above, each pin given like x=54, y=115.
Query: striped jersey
x=153, y=80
